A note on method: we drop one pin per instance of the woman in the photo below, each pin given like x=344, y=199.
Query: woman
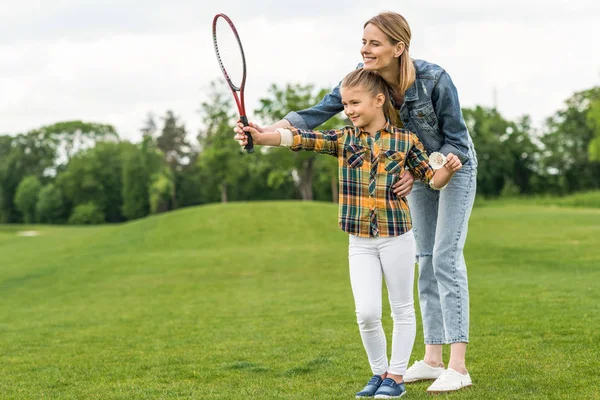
x=428, y=105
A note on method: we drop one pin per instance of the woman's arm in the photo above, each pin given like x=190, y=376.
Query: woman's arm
x=328, y=107
x=450, y=119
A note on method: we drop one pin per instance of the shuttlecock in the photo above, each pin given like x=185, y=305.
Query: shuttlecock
x=437, y=160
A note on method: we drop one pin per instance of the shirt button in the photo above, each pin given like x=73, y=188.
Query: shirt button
x=371, y=203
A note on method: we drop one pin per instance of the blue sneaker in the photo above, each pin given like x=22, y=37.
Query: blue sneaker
x=389, y=389
x=371, y=388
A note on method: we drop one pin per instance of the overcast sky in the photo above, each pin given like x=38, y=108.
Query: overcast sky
x=115, y=61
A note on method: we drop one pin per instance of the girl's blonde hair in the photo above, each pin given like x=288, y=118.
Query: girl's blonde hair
x=396, y=28
x=374, y=84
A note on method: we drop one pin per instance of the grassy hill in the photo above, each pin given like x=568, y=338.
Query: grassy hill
x=252, y=300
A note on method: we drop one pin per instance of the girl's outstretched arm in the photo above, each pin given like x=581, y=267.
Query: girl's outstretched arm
x=260, y=138
x=325, y=142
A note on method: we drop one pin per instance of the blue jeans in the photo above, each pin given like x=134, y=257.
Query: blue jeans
x=440, y=222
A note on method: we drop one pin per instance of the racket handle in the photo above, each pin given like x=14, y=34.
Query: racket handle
x=250, y=146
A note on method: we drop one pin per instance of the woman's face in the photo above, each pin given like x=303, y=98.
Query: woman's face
x=377, y=51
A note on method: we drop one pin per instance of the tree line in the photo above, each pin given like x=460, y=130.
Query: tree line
x=81, y=172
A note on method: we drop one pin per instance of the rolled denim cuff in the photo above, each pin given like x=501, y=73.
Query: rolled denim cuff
x=448, y=148
x=296, y=120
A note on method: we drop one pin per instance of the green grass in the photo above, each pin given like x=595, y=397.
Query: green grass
x=577, y=200
x=253, y=301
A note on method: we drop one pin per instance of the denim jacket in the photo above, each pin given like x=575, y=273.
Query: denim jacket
x=431, y=110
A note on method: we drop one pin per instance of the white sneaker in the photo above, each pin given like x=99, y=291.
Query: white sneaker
x=450, y=381
x=421, y=371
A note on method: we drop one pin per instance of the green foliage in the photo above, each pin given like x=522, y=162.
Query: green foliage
x=136, y=180
x=86, y=214
x=567, y=140
x=67, y=138
x=221, y=157
x=593, y=119
x=26, y=198
x=85, y=162
x=584, y=200
x=305, y=165
x=20, y=156
x=161, y=189
x=95, y=175
x=172, y=140
x=50, y=206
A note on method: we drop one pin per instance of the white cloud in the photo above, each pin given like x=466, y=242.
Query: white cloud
x=113, y=62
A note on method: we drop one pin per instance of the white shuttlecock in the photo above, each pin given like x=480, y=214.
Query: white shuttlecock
x=437, y=160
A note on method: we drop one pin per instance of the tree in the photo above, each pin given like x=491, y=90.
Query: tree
x=524, y=155
x=149, y=129
x=299, y=166
x=221, y=156
x=50, y=206
x=95, y=175
x=160, y=191
x=488, y=130
x=136, y=180
x=175, y=147
x=26, y=198
x=567, y=139
x=20, y=156
x=86, y=214
x=70, y=137
x=593, y=119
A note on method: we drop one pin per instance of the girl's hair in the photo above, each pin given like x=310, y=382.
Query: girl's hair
x=396, y=28
x=374, y=84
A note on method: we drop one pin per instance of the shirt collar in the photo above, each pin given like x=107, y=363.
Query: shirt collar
x=388, y=127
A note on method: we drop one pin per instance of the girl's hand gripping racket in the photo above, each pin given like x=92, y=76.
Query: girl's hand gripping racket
x=230, y=56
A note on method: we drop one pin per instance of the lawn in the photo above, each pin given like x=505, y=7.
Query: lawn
x=253, y=301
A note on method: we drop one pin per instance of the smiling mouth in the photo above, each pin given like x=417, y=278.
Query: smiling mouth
x=368, y=59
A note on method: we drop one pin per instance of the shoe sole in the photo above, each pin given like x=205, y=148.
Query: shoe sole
x=420, y=380
x=385, y=396
x=448, y=391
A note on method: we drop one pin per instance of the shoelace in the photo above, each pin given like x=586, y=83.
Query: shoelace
x=389, y=382
x=373, y=380
x=444, y=376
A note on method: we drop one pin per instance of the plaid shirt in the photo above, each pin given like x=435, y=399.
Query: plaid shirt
x=368, y=167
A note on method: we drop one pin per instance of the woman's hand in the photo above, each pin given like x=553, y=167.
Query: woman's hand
x=239, y=127
x=241, y=136
x=404, y=186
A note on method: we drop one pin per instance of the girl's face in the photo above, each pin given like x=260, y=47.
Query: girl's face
x=364, y=110
x=377, y=51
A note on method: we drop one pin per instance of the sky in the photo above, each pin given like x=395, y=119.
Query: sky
x=115, y=62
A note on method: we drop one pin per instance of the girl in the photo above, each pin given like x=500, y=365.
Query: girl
x=371, y=156
x=427, y=102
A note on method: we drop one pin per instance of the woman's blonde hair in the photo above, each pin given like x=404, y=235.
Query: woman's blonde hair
x=396, y=28
x=374, y=84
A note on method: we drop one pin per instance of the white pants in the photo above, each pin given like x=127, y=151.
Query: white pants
x=392, y=258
